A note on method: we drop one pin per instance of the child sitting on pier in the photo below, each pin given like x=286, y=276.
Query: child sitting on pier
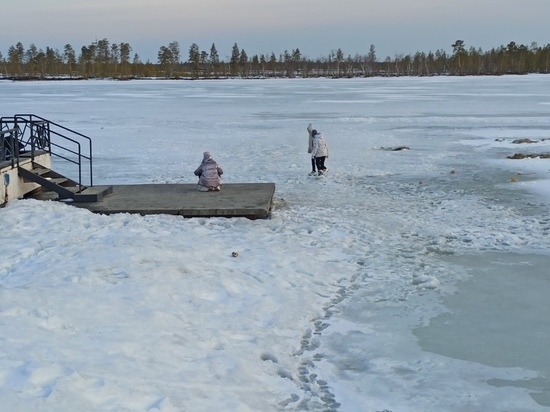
x=209, y=173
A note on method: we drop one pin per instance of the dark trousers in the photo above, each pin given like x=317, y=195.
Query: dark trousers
x=313, y=164
x=320, y=162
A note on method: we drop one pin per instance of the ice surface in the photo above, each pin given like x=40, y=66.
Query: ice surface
x=409, y=280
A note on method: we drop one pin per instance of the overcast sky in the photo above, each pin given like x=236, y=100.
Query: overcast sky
x=263, y=26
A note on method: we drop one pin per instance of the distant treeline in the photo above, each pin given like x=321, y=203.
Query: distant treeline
x=102, y=59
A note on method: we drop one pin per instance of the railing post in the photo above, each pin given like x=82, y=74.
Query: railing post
x=14, y=140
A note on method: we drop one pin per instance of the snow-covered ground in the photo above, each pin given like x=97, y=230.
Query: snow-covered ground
x=411, y=280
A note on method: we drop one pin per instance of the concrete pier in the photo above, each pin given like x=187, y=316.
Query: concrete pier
x=250, y=200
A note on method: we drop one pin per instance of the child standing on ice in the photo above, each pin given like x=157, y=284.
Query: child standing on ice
x=209, y=173
x=319, y=152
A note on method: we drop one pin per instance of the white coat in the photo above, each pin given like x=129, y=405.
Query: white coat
x=320, y=147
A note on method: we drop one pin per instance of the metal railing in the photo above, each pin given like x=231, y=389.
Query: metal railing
x=29, y=135
x=9, y=144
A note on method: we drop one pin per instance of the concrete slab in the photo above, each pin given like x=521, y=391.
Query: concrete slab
x=250, y=200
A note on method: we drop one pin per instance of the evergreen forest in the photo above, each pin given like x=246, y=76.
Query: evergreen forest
x=102, y=59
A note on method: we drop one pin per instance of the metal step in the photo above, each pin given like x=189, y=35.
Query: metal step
x=93, y=194
x=66, y=188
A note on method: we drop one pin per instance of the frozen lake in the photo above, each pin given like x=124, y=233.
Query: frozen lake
x=410, y=280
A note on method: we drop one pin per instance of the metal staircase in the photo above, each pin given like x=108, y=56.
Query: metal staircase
x=27, y=136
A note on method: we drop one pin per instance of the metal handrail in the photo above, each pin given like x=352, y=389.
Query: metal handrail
x=35, y=133
x=9, y=136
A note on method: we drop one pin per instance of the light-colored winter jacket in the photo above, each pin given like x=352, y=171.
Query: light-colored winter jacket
x=209, y=173
x=320, y=147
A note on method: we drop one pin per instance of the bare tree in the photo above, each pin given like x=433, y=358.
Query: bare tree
x=165, y=59
x=214, y=59
x=195, y=59
x=234, y=62
x=243, y=63
x=458, y=54
x=69, y=58
x=174, y=48
x=125, y=50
